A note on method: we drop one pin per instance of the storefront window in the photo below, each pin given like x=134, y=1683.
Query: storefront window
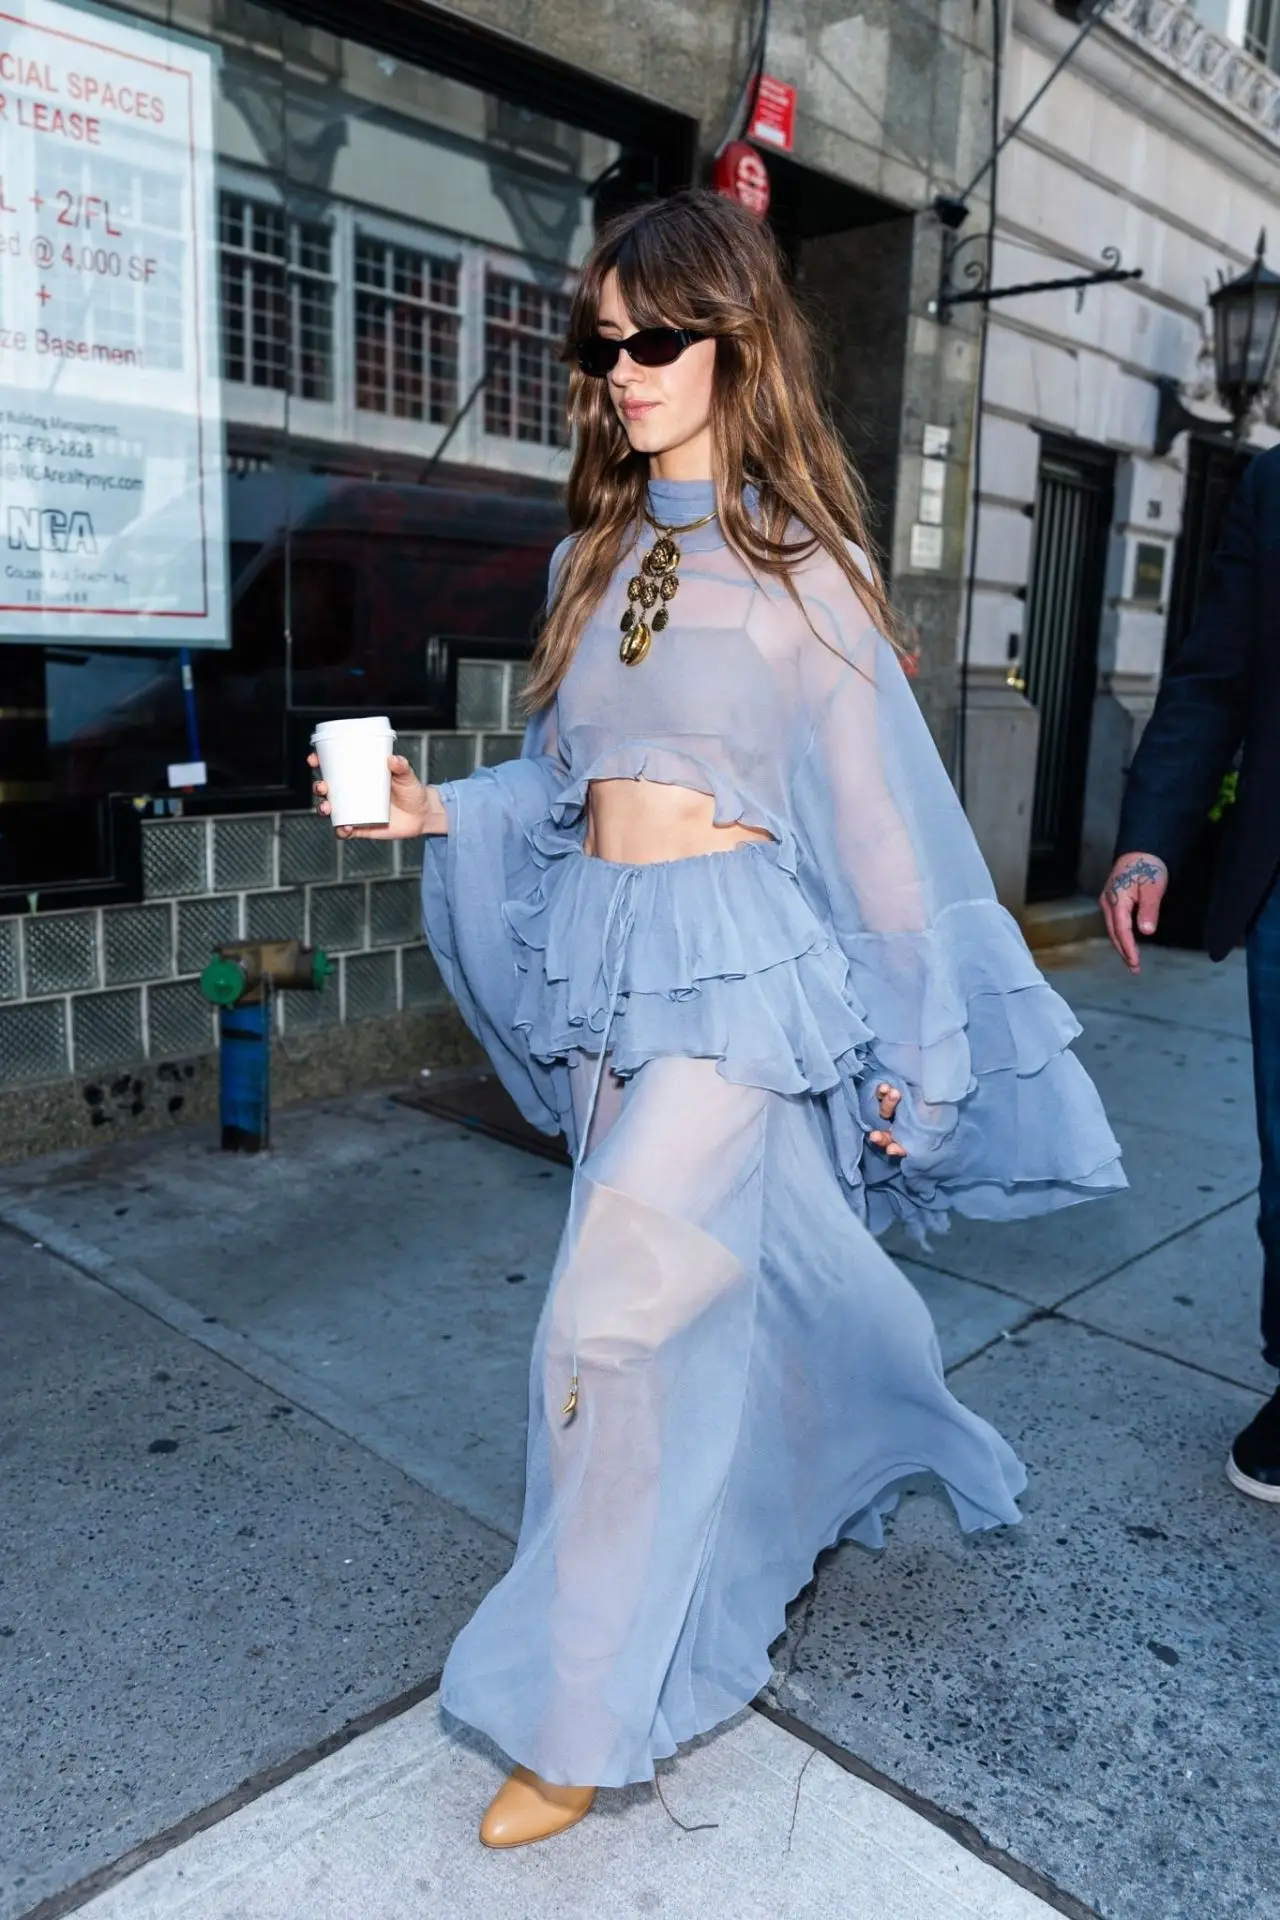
x=291, y=439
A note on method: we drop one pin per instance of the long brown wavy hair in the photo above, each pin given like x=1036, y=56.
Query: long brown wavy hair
x=702, y=261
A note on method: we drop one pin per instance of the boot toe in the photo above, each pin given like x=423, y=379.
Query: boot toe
x=520, y=1813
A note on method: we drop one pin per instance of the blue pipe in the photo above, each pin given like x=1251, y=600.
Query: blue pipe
x=244, y=1093
x=189, y=704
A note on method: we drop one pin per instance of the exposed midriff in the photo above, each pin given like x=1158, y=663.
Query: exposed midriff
x=636, y=822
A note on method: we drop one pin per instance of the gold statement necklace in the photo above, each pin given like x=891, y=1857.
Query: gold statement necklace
x=654, y=587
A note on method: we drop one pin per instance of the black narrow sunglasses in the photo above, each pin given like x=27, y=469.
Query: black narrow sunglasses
x=651, y=347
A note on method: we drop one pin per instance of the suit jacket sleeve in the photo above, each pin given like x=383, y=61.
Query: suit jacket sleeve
x=1199, y=716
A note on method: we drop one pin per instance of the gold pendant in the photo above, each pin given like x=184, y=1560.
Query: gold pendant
x=570, y=1406
x=655, y=586
x=635, y=644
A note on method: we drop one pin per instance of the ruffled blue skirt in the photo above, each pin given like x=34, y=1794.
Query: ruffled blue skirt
x=754, y=1377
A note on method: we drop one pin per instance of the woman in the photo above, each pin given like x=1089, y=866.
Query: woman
x=724, y=923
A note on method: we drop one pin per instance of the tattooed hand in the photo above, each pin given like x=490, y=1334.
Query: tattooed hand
x=1136, y=883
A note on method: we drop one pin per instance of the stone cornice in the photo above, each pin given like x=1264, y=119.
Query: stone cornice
x=1171, y=32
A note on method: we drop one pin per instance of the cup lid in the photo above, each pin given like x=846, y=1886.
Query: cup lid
x=363, y=723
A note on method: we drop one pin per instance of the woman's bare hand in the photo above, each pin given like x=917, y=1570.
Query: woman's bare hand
x=1136, y=884
x=888, y=1099
x=415, y=809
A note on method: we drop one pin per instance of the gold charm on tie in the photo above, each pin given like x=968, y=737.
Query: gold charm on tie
x=570, y=1406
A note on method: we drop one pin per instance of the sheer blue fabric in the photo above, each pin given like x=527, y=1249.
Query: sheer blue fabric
x=755, y=1375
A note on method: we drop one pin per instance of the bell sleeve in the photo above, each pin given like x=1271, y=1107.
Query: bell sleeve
x=486, y=863
x=998, y=1117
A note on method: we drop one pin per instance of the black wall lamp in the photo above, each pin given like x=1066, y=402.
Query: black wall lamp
x=1246, y=339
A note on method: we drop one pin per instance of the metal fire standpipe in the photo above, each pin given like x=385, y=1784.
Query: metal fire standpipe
x=240, y=981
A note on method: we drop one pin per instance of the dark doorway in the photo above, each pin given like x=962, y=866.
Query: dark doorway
x=1074, y=496
x=850, y=257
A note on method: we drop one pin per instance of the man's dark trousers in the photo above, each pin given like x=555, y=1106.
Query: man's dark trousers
x=1220, y=697
x=1264, y=1017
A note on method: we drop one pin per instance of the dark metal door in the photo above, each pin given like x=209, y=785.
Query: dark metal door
x=1064, y=607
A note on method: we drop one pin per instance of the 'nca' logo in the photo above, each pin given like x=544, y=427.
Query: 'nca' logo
x=45, y=530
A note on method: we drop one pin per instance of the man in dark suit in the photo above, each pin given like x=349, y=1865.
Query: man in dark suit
x=1222, y=694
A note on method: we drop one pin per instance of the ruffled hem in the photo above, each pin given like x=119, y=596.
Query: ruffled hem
x=730, y=964
x=960, y=999
x=560, y=832
x=722, y=956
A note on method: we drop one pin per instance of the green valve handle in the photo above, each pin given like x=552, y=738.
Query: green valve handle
x=321, y=968
x=223, y=981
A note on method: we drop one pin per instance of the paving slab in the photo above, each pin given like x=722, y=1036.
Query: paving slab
x=1179, y=988
x=1098, y=1689
x=387, y=1828
x=1180, y=1078
x=967, y=1316
x=386, y=1267
x=1175, y=1181
x=198, y=1580
x=1196, y=1299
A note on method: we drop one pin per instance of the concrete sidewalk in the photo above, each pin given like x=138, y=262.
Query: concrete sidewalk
x=264, y=1420
x=386, y=1829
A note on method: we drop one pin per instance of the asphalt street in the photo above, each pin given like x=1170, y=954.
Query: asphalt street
x=262, y=1440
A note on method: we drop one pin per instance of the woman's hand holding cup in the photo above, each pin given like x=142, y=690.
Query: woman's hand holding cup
x=414, y=809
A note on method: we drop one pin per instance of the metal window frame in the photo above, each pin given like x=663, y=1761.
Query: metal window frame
x=427, y=245
x=545, y=457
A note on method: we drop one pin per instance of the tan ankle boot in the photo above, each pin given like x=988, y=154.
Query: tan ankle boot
x=526, y=1808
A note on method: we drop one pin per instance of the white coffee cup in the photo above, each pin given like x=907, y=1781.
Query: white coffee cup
x=353, y=765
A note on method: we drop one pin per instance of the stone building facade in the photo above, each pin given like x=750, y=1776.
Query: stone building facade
x=1159, y=137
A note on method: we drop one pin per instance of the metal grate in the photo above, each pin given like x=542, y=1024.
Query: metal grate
x=202, y=926
x=106, y=1030
x=363, y=858
x=497, y=747
x=179, y=1020
x=137, y=944
x=244, y=852
x=423, y=986
x=406, y=331
x=451, y=756
x=61, y=952
x=370, y=985
x=10, y=978
x=275, y=916
x=395, y=912
x=337, y=917
x=33, y=1042
x=308, y=848
x=481, y=693
x=174, y=857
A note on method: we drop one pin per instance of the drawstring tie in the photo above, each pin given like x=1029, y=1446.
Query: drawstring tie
x=621, y=905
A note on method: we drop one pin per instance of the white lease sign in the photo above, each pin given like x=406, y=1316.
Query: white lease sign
x=111, y=471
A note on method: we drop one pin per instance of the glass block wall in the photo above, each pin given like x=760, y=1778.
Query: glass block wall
x=101, y=988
